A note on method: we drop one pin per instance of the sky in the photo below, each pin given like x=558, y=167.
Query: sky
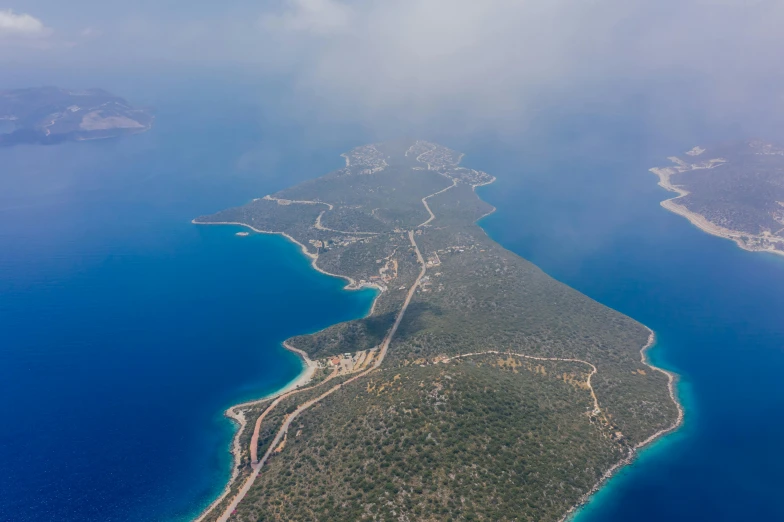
x=493, y=61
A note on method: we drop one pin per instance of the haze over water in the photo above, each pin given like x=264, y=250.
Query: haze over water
x=125, y=331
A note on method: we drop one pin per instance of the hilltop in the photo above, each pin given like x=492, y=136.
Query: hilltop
x=478, y=388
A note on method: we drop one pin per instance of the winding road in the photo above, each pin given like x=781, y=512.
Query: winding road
x=427, y=207
x=596, y=409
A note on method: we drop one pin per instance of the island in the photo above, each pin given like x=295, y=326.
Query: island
x=50, y=115
x=734, y=191
x=477, y=388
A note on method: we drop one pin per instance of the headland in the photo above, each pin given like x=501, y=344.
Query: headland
x=477, y=384
x=736, y=196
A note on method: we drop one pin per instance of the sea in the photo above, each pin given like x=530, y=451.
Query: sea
x=126, y=331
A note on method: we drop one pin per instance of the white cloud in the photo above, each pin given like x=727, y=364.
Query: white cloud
x=310, y=16
x=21, y=25
x=90, y=32
x=495, y=58
x=437, y=60
x=424, y=55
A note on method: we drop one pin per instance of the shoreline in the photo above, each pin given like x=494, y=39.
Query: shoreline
x=235, y=414
x=256, y=468
x=634, y=452
x=698, y=220
x=473, y=188
x=352, y=285
x=309, y=367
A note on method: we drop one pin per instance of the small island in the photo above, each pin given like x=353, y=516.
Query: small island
x=50, y=115
x=734, y=191
x=477, y=388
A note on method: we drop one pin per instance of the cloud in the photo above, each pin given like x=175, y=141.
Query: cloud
x=90, y=32
x=436, y=60
x=13, y=25
x=496, y=59
x=310, y=16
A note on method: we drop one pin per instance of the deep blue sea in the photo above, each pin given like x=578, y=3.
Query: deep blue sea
x=125, y=330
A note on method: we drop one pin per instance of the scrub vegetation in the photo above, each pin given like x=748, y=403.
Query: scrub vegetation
x=503, y=395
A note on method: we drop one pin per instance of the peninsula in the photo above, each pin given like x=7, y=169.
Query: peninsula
x=49, y=115
x=478, y=387
x=735, y=191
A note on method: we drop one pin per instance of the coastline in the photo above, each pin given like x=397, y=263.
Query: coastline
x=352, y=285
x=473, y=188
x=238, y=417
x=256, y=467
x=309, y=367
x=634, y=452
x=574, y=511
x=698, y=220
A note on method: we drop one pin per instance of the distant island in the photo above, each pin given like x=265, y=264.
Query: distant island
x=477, y=388
x=50, y=115
x=735, y=191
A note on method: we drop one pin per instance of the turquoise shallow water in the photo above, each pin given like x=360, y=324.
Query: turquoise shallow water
x=125, y=330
